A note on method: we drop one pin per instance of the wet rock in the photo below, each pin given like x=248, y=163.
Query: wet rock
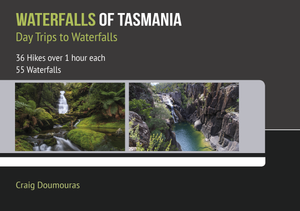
x=144, y=132
x=132, y=149
x=61, y=134
x=50, y=142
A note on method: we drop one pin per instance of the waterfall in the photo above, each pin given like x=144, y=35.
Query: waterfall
x=168, y=101
x=77, y=122
x=62, y=103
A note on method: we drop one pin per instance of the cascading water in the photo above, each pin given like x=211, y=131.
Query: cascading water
x=62, y=144
x=62, y=103
x=168, y=101
x=77, y=123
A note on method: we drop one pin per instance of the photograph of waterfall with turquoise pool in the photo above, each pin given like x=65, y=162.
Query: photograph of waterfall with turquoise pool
x=184, y=117
x=69, y=117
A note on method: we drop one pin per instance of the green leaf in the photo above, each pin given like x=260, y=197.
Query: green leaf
x=105, y=105
x=109, y=101
x=117, y=98
x=114, y=108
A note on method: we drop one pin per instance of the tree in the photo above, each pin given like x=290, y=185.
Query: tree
x=141, y=107
x=104, y=97
x=155, y=141
x=159, y=114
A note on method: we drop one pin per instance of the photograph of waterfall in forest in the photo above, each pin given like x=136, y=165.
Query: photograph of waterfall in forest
x=69, y=117
x=184, y=117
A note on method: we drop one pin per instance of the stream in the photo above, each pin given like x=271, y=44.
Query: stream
x=63, y=144
x=59, y=133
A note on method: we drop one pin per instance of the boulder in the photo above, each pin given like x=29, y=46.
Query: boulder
x=198, y=125
x=144, y=132
x=46, y=119
x=89, y=140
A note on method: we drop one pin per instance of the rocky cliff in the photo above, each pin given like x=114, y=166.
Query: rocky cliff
x=144, y=133
x=140, y=91
x=213, y=109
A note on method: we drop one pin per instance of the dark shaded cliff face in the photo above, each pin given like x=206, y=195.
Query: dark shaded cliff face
x=213, y=109
x=139, y=91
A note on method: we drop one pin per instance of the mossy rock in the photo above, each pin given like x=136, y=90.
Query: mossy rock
x=50, y=142
x=67, y=125
x=46, y=118
x=21, y=144
x=87, y=139
x=92, y=122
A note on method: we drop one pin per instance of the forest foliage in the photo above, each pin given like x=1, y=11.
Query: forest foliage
x=155, y=118
x=36, y=103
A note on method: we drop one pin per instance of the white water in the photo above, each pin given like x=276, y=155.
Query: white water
x=62, y=103
x=168, y=101
x=43, y=147
x=62, y=145
x=77, y=123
